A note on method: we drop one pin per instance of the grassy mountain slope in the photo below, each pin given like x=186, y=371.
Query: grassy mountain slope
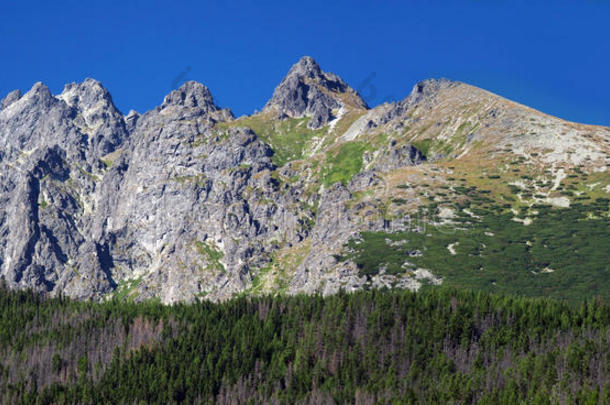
x=509, y=199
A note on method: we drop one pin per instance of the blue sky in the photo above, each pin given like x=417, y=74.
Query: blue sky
x=552, y=55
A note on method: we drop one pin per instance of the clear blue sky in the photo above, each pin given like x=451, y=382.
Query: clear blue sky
x=551, y=55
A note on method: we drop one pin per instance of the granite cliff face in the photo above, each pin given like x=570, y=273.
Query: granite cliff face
x=185, y=201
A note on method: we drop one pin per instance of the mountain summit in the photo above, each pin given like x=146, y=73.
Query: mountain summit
x=197, y=96
x=307, y=91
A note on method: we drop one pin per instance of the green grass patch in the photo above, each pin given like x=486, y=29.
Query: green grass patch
x=344, y=163
x=212, y=254
x=257, y=281
x=125, y=291
x=290, y=138
x=200, y=179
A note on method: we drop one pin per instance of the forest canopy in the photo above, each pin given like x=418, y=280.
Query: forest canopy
x=436, y=346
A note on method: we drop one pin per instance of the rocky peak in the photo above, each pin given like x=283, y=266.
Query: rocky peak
x=195, y=96
x=191, y=94
x=428, y=88
x=423, y=92
x=307, y=91
x=86, y=95
x=96, y=115
x=39, y=96
x=306, y=67
x=38, y=100
x=10, y=98
x=32, y=120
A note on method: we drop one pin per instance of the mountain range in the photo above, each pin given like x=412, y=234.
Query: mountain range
x=316, y=193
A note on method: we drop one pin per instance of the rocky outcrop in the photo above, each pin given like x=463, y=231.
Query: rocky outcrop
x=307, y=91
x=10, y=99
x=423, y=93
x=395, y=156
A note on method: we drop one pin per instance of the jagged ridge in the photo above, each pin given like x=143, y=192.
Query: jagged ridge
x=184, y=201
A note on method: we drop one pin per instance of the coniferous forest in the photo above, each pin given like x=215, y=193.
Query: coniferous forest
x=435, y=346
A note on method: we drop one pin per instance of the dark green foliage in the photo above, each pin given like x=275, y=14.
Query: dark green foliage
x=563, y=253
x=436, y=346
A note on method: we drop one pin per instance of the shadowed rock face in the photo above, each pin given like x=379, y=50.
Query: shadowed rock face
x=184, y=202
x=307, y=91
x=51, y=148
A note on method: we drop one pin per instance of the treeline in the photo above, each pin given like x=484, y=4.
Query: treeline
x=435, y=346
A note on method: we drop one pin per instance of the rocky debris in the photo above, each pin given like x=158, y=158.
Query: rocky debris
x=451, y=248
x=307, y=91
